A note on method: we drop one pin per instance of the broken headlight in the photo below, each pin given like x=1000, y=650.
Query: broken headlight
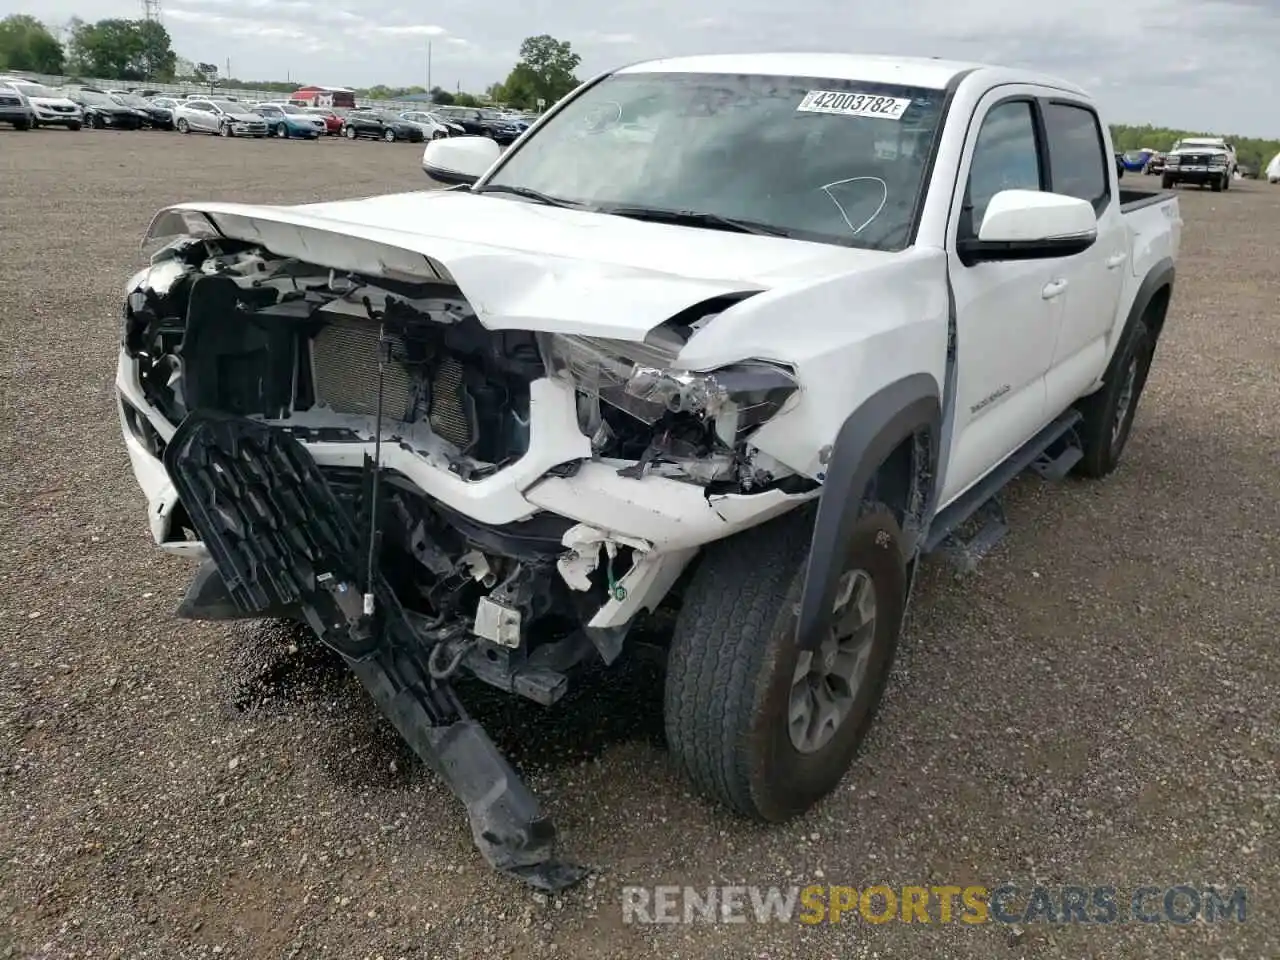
x=638, y=378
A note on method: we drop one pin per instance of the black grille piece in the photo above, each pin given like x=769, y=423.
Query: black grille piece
x=273, y=526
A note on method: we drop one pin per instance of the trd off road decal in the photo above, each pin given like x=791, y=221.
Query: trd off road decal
x=853, y=104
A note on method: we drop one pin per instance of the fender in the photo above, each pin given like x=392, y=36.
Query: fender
x=1161, y=275
x=865, y=440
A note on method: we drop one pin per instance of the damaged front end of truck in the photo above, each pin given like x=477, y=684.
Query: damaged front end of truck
x=342, y=438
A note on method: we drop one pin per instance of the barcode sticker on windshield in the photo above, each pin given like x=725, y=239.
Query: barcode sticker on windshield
x=853, y=104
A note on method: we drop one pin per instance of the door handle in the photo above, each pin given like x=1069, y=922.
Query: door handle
x=1055, y=288
x=1116, y=260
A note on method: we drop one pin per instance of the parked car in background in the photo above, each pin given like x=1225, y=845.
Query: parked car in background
x=102, y=112
x=1135, y=161
x=332, y=119
x=14, y=108
x=50, y=108
x=152, y=114
x=223, y=117
x=433, y=127
x=482, y=123
x=380, y=125
x=1273, y=169
x=284, y=120
x=164, y=103
x=1203, y=161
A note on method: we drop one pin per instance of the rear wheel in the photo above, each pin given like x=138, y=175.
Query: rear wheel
x=349, y=133
x=183, y=127
x=753, y=721
x=22, y=124
x=1108, y=413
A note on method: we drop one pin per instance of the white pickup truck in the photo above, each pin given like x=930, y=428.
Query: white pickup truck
x=739, y=337
x=1203, y=161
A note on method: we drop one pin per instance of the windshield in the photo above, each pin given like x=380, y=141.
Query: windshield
x=386, y=116
x=130, y=100
x=31, y=89
x=227, y=106
x=288, y=108
x=97, y=99
x=833, y=161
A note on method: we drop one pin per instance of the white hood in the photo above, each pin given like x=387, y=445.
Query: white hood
x=530, y=266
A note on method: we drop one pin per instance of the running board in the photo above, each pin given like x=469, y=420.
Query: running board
x=281, y=540
x=1052, y=453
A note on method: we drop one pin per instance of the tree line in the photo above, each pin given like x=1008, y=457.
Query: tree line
x=141, y=50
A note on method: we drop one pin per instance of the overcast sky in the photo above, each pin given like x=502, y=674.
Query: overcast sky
x=1185, y=63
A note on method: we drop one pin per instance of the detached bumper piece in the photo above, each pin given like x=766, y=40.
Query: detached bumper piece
x=281, y=541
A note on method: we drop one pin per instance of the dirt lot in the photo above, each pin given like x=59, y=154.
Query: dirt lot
x=1100, y=704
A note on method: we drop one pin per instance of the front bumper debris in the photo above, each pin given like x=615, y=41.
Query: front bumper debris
x=282, y=541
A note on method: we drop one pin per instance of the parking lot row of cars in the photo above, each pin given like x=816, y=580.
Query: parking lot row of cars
x=25, y=105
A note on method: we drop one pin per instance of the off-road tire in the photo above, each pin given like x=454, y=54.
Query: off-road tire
x=733, y=658
x=1167, y=182
x=1102, y=445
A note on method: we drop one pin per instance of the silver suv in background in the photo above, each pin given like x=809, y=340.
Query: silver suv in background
x=14, y=108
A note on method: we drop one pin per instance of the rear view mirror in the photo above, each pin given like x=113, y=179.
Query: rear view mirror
x=1031, y=225
x=459, y=160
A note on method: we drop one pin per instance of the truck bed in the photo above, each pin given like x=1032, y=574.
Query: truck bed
x=1131, y=200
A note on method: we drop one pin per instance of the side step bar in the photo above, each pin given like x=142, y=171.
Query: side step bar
x=1051, y=453
x=281, y=541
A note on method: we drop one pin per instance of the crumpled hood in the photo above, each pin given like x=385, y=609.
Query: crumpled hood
x=243, y=117
x=529, y=266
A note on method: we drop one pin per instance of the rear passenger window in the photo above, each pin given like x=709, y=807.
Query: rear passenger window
x=1005, y=158
x=1077, y=158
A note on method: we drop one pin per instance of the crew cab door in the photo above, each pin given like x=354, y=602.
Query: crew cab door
x=1095, y=278
x=1007, y=312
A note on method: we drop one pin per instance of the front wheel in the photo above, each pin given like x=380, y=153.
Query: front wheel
x=1166, y=182
x=183, y=127
x=389, y=136
x=224, y=130
x=349, y=132
x=282, y=131
x=753, y=721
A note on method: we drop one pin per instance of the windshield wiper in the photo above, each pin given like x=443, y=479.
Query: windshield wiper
x=694, y=218
x=528, y=193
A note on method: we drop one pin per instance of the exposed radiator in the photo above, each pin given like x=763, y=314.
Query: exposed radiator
x=345, y=363
x=345, y=366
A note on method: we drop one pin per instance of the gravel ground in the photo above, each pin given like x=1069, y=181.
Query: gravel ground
x=1097, y=705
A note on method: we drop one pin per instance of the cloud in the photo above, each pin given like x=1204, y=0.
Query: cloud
x=1206, y=64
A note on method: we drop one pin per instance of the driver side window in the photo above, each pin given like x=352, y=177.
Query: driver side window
x=1006, y=157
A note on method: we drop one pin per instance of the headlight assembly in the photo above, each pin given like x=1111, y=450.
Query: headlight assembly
x=638, y=378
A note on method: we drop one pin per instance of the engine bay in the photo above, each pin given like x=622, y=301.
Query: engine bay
x=225, y=325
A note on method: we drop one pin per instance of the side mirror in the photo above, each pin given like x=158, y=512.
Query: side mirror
x=459, y=160
x=1031, y=225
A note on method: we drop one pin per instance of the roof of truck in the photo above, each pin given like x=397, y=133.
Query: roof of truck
x=927, y=72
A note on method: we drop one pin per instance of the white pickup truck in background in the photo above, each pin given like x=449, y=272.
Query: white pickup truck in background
x=1202, y=161
x=738, y=336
